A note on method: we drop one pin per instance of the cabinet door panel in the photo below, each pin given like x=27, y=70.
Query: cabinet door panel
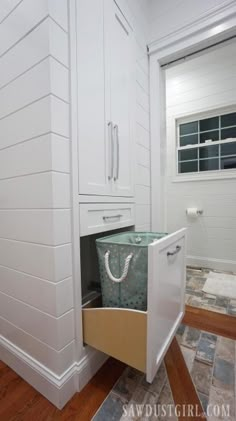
x=121, y=56
x=93, y=148
x=166, y=289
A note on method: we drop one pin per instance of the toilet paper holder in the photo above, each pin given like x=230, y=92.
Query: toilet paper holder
x=199, y=211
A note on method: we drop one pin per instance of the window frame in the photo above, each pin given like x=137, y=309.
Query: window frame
x=208, y=174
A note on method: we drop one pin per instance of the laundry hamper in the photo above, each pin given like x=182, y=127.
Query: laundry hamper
x=123, y=264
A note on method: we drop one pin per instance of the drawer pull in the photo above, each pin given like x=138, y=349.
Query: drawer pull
x=112, y=216
x=172, y=253
x=110, y=140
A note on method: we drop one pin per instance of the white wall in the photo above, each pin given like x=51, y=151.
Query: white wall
x=36, y=297
x=169, y=16
x=197, y=85
x=137, y=10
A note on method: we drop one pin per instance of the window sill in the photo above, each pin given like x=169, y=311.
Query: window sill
x=215, y=175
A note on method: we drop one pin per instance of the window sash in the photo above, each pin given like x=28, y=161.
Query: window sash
x=207, y=131
x=198, y=160
x=203, y=145
x=211, y=155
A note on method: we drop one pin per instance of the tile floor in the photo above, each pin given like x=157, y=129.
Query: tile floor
x=132, y=389
x=195, y=297
x=211, y=361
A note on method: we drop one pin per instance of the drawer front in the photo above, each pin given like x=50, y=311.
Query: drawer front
x=140, y=338
x=166, y=290
x=100, y=217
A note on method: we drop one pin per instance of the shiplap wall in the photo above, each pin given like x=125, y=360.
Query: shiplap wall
x=138, y=9
x=35, y=205
x=202, y=83
x=36, y=294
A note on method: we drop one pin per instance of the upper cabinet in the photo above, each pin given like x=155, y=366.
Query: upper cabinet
x=106, y=63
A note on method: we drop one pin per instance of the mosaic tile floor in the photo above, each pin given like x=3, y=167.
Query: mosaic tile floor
x=211, y=361
x=195, y=297
x=132, y=389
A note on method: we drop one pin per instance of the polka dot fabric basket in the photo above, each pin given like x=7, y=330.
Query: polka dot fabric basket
x=123, y=265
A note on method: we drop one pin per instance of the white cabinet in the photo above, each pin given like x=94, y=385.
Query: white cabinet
x=139, y=338
x=120, y=95
x=92, y=130
x=105, y=52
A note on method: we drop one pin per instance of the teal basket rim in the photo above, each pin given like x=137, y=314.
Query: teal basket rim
x=104, y=239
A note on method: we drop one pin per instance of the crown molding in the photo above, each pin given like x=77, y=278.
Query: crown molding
x=217, y=20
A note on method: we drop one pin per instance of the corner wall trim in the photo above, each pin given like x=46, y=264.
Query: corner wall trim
x=57, y=389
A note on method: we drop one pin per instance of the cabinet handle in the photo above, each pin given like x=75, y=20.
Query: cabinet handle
x=111, y=152
x=112, y=216
x=172, y=253
x=116, y=130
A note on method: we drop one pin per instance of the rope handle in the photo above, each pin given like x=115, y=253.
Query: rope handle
x=125, y=270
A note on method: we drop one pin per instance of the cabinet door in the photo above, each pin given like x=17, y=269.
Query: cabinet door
x=93, y=130
x=120, y=77
x=166, y=289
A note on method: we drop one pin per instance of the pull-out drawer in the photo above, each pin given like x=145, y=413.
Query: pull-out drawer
x=100, y=217
x=140, y=338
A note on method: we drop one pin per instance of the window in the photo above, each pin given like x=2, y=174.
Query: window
x=208, y=144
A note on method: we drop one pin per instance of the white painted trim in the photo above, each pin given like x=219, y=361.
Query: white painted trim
x=215, y=22
x=173, y=332
x=74, y=179
x=157, y=130
x=217, y=25
x=89, y=359
x=82, y=198
x=200, y=176
x=57, y=389
x=217, y=264
x=205, y=112
x=88, y=366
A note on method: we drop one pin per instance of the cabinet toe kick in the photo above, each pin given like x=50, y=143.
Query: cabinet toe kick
x=120, y=333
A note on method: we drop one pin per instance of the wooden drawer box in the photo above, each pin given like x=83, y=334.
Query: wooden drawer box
x=140, y=338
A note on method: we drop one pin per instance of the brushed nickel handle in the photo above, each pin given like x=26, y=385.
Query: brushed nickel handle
x=172, y=253
x=119, y=215
x=110, y=141
x=116, y=130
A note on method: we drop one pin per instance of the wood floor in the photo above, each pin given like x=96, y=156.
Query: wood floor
x=220, y=324
x=20, y=402
x=181, y=383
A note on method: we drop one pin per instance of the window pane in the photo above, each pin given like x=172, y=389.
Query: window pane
x=187, y=155
x=227, y=133
x=228, y=120
x=209, y=151
x=188, y=128
x=188, y=140
x=190, y=166
x=209, y=164
x=209, y=124
x=228, y=149
x=209, y=136
x=227, y=163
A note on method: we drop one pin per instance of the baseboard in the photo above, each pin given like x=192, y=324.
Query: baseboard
x=217, y=264
x=57, y=389
x=88, y=366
